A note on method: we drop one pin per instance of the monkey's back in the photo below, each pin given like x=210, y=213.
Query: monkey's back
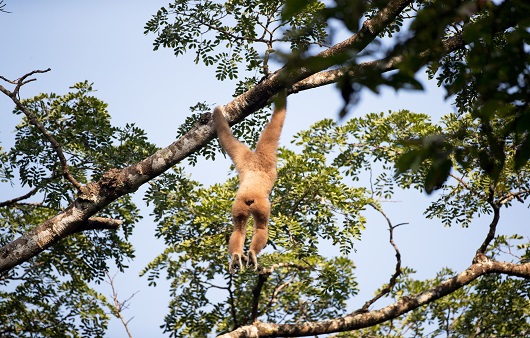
x=256, y=179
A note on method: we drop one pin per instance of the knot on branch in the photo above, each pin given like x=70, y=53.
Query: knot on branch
x=113, y=182
x=480, y=257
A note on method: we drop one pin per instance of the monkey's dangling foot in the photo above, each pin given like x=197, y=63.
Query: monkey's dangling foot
x=252, y=261
x=235, y=263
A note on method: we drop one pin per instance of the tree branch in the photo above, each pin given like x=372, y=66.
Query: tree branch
x=20, y=198
x=405, y=304
x=263, y=275
x=518, y=195
x=231, y=300
x=256, y=292
x=34, y=121
x=2, y=7
x=479, y=256
x=361, y=70
x=29, y=193
x=101, y=223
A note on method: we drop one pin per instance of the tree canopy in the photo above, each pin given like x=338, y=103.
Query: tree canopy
x=79, y=172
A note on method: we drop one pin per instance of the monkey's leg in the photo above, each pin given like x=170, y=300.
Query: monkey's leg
x=260, y=210
x=240, y=214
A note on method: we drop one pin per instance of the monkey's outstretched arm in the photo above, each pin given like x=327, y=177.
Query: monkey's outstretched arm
x=235, y=149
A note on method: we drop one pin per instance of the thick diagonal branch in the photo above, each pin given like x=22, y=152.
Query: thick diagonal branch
x=115, y=183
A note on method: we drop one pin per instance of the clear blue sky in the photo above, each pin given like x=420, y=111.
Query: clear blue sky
x=103, y=42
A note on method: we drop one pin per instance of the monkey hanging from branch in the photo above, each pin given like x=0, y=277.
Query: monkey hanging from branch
x=257, y=173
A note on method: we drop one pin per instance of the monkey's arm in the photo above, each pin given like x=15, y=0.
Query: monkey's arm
x=230, y=144
x=268, y=141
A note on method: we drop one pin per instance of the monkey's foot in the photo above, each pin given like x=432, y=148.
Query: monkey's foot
x=236, y=263
x=252, y=261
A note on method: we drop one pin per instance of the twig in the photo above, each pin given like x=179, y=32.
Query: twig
x=14, y=96
x=277, y=289
x=467, y=186
x=2, y=7
x=120, y=306
x=30, y=193
x=20, y=198
x=511, y=195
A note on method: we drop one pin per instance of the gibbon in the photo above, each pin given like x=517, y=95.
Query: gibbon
x=257, y=173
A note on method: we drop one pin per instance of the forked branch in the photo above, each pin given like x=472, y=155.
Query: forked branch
x=3, y=6
x=263, y=275
x=397, y=270
x=14, y=96
x=119, y=306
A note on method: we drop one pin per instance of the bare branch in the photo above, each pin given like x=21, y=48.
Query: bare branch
x=34, y=121
x=397, y=270
x=479, y=256
x=20, y=198
x=263, y=275
x=30, y=193
x=467, y=186
x=518, y=195
x=231, y=301
x=256, y=291
x=274, y=296
x=119, y=306
x=2, y=7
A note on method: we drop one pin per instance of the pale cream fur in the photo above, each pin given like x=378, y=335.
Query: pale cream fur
x=257, y=173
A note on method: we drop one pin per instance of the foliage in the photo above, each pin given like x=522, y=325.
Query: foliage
x=488, y=80
x=50, y=295
x=233, y=36
x=230, y=34
x=312, y=205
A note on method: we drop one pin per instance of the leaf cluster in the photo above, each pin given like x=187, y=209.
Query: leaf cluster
x=232, y=33
x=488, y=80
x=315, y=203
